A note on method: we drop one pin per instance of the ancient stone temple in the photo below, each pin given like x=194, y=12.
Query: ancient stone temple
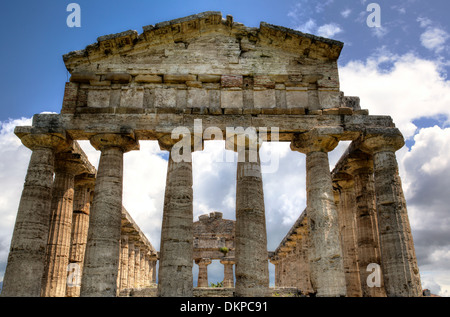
x=183, y=82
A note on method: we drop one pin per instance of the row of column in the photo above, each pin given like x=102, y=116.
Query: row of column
x=228, y=276
x=332, y=265
x=102, y=255
x=137, y=266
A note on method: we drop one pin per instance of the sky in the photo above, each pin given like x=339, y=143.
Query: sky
x=399, y=67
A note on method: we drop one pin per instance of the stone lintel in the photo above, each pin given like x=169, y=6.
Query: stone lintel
x=153, y=126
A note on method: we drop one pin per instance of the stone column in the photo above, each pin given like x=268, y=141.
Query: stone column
x=346, y=206
x=143, y=267
x=325, y=253
x=58, y=247
x=399, y=263
x=124, y=262
x=137, y=267
x=176, y=250
x=153, y=263
x=202, y=272
x=84, y=185
x=25, y=268
x=252, y=266
x=361, y=168
x=131, y=262
x=228, y=276
x=103, y=247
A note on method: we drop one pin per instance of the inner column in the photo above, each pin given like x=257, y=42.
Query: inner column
x=325, y=253
x=252, y=267
x=101, y=263
x=175, y=276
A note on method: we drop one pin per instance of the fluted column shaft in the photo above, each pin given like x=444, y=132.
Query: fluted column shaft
x=59, y=240
x=399, y=263
x=176, y=250
x=84, y=185
x=25, y=268
x=137, y=267
x=252, y=267
x=131, y=263
x=103, y=246
x=346, y=208
x=124, y=262
x=366, y=225
x=325, y=253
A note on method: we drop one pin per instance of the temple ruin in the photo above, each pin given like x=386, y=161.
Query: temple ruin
x=276, y=83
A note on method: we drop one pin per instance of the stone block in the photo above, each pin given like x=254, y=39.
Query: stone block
x=205, y=78
x=165, y=97
x=150, y=79
x=329, y=98
x=118, y=77
x=263, y=81
x=194, y=84
x=231, y=99
x=228, y=81
x=232, y=111
x=98, y=98
x=179, y=78
x=264, y=98
x=197, y=98
x=345, y=110
x=132, y=97
x=297, y=97
x=330, y=111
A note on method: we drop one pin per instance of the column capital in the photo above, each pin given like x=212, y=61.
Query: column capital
x=203, y=261
x=85, y=179
x=316, y=140
x=125, y=142
x=227, y=261
x=380, y=140
x=45, y=140
x=69, y=162
x=166, y=142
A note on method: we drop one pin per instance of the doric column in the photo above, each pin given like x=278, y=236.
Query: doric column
x=131, y=262
x=176, y=250
x=54, y=281
x=84, y=186
x=252, y=267
x=361, y=167
x=203, y=271
x=103, y=246
x=398, y=258
x=325, y=253
x=124, y=262
x=137, y=267
x=344, y=186
x=143, y=267
x=228, y=276
x=25, y=268
x=153, y=263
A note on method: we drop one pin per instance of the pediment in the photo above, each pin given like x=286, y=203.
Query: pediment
x=205, y=39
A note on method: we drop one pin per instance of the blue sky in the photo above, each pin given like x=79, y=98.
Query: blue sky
x=398, y=69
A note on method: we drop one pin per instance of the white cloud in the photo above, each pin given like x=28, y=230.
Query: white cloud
x=411, y=88
x=13, y=166
x=434, y=39
x=346, y=13
x=329, y=30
